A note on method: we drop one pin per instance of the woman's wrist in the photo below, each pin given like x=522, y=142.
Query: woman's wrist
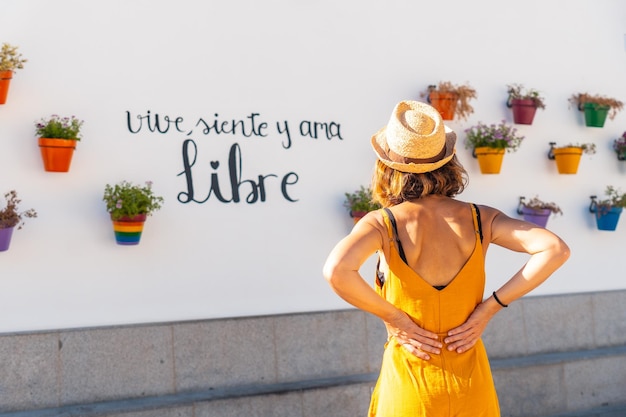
x=498, y=300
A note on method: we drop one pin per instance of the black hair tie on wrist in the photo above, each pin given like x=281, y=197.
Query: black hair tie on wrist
x=498, y=300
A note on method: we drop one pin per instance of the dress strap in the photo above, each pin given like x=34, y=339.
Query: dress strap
x=390, y=223
x=387, y=220
x=394, y=225
x=477, y=223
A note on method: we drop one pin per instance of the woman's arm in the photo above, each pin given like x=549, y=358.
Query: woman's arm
x=548, y=252
x=341, y=270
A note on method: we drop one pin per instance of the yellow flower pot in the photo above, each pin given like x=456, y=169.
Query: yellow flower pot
x=489, y=159
x=567, y=159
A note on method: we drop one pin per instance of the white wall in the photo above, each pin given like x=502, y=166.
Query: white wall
x=343, y=62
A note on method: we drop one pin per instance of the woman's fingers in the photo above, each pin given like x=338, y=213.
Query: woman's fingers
x=463, y=345
x=416, y=351
x=461, y=342
x=416, y=340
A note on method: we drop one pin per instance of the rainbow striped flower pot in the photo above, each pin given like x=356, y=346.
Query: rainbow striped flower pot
x=128, y=229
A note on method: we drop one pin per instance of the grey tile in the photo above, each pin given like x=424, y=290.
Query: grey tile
x=376, y=339
x=113, y=363
x=218, y=353
x=343, y=401
x=559, y=323
x=530, y=391
x=28, y=371
x=324, y=344
x=183, y=411
x=284, y=405
x=505, y=334
x=595, y=382
x=609, y=318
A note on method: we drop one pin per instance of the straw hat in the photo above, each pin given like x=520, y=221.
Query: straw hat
x=415, y=139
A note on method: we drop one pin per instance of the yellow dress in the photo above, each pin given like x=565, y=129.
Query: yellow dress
x=449, y=384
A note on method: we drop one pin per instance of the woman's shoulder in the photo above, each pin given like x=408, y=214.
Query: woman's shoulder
x=372, y=220
x=487, y=211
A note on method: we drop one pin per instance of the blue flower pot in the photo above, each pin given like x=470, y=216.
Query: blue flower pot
x=607, y=220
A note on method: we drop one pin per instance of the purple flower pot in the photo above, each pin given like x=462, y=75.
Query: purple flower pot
x=537, y=216
x=5, y=238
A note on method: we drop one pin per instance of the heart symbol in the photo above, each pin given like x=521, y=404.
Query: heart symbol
x=215, y=164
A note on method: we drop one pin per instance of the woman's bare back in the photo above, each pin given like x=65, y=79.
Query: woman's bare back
x=438, y=236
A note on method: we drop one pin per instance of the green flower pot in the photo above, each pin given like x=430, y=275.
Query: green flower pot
x=595, y=115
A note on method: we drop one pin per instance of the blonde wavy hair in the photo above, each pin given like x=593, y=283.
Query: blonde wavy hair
x=391, y=187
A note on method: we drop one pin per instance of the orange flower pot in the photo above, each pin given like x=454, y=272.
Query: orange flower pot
x=489, y=159
x=567, y=159
x=5, y=81
x=57, y=153
x=445, y=103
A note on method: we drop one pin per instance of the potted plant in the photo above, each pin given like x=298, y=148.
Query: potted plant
x=524, y=103
x=57, y=141
x=596, y=108
x=489, y=142
x=619, y=146
x=450, y=99
x=10, y=217
x=360, y=202
x=607, y=211
x=129, y=205
x=537, y=211
x=10, y=60
x=568, y=157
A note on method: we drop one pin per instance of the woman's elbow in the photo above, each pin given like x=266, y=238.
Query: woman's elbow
x=329, y=271
x=337, y=275
x=562, y=251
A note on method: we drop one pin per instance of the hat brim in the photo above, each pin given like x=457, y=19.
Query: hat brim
x=379, y=141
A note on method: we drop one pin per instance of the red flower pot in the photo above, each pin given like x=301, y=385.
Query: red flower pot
x=523, y=111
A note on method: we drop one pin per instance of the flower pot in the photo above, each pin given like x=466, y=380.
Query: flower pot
x=445, y=103
x=57, y=153
x=5, y=81
x=595, y=115
x=523, y=111
x=489, y=159
x=357, y=215
x=536, y=216
x=607, y=220
x=128, y=229
x=5, y=238
x=567, y=159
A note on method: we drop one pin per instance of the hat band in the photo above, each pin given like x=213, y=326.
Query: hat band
x=404, y=160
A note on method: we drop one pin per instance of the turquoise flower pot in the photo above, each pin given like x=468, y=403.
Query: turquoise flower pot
x=607, y=220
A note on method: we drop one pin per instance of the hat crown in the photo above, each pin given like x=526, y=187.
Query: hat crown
x=415, y=139
x=415, y=131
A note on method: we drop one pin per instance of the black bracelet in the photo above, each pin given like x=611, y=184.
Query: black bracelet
x=498, y=300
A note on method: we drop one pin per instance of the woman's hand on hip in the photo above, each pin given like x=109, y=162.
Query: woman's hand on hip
x=463, y=338
x=413, y=338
